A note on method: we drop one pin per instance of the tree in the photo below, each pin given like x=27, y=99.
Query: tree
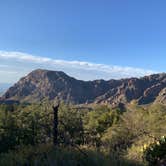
x=97, y=122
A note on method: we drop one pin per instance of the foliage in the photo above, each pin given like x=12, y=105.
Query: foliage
x=70, y=125
x=47, y=155
x=155, y=153
x=110, y=135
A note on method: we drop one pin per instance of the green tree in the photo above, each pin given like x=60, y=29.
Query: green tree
x=97, y=122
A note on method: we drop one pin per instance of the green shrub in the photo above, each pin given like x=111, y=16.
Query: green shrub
x=156, y=152
x=45, y=155
x=48, y=155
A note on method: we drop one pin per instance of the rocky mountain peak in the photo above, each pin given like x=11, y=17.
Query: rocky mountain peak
x=41, y=84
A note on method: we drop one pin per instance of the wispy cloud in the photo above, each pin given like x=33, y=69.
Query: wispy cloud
x=22, y=63
x=8, y=72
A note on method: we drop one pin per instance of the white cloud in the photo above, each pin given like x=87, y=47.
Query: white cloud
x=22, y=63
x=8, y=72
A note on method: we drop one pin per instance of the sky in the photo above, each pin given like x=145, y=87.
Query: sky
x=87, y=39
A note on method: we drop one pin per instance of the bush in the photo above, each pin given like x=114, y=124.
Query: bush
x=155, y=154
x=48, y=155
x=45, y=155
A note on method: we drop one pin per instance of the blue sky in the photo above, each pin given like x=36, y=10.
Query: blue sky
x=116, y=33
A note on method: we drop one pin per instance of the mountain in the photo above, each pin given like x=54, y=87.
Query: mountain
x=40, y=84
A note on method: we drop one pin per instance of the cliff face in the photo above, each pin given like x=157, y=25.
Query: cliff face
x=41, y=84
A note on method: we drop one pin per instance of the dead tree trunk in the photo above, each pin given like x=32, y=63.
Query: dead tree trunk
x=55, y=125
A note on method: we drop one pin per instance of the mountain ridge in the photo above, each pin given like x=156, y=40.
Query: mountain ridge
x=41, y=84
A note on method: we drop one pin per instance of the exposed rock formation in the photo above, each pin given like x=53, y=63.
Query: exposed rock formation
x=41, y=84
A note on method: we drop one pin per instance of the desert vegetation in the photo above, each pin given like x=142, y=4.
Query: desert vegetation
x=87, y=135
